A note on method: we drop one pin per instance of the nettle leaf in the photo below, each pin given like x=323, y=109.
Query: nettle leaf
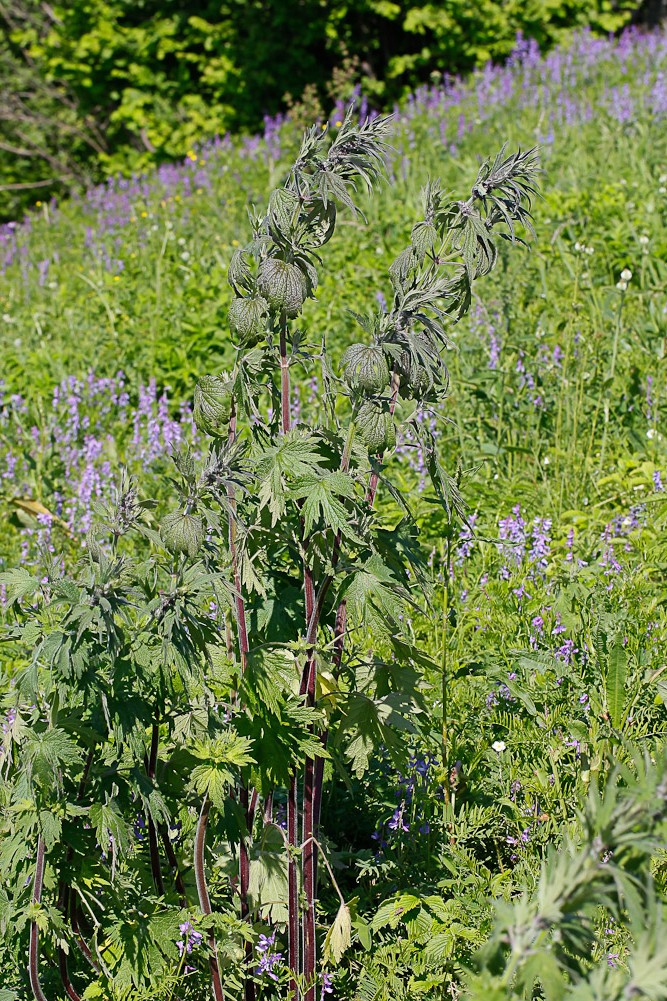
x=374, y=596
x=49, y=752
x=292, y=456
x=228, y=749
x=322, y=506
x=339, y=936
x=270, y=673
x=19, y=584
x=424, y=236
x=317, y=223
x=110, y=827
x=239, y=274
x=284, y=207
x=50, y=827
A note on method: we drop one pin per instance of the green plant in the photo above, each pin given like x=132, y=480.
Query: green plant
x=139, y=706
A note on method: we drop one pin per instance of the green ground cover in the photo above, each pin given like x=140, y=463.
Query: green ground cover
x=547, y=627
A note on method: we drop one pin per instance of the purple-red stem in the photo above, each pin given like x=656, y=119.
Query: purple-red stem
x=80, y=940
x=244, y=856
x=202, y=893
x=33, y=955
x=314, y=768
x=292, y=891
x=64, y=976
x=156, y=868
x=292, y=806
x=244, y=884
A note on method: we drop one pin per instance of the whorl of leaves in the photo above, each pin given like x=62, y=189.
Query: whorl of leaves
x=213, y=404
x=284, y=285
x=183, y=533
x=376, y=427
x=245, y=318
x=364, y=367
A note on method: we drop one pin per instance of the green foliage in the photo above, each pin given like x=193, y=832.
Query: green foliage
x=108, y=85
x=121, y=653
x=494, y=766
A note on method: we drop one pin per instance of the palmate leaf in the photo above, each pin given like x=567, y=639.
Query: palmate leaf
x=50, y=827
x=371, y=723
x=48, y=753
x=270, y=673
x=18, y=583
x=141, y=948
x=222, y=758
x=293, y=455
x=280, y=739
x=322, y=506
x=110, y=826
x=374, y=595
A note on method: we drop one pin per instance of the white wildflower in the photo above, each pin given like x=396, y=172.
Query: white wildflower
x=499, y=746
x=626, y=274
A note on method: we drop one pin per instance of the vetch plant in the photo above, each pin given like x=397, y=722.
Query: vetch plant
x=205, y=676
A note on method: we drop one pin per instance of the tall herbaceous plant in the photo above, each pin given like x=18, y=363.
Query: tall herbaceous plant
x=184, y=687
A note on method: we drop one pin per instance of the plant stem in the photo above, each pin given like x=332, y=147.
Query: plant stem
x=285, y=402
x=156, y=869
x=244, y=858
x=243, y=647
x=244, y=883
x=33, y=955
x=444, y=691
x=81, y=942
x=314, y=767
x=292, y=891
x=202, y=893
x=64, y=976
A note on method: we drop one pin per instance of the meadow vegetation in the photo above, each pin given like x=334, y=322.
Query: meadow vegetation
x=488, y=741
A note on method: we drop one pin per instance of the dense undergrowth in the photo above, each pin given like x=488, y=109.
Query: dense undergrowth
x=526, y=819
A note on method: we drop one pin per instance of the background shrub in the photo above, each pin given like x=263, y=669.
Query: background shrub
x=100, y=86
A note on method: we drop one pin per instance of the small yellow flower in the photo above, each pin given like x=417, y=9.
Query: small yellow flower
x=235, y=243
x=338, y=124
x=38, y=204
x=191, y=155
x=198, y=191
x=116, y=278
x=144, y=215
